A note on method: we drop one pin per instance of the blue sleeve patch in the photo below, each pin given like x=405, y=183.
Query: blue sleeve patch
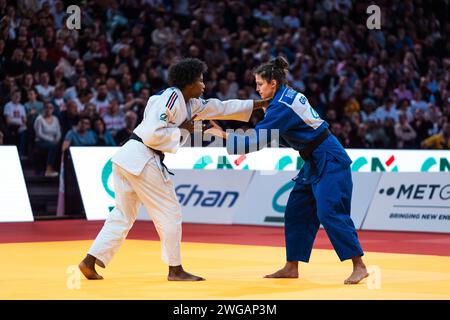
x=288, y=96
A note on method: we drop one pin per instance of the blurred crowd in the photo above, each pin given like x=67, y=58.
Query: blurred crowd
x=386, y=88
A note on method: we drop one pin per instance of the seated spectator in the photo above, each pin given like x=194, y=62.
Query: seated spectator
x=58, y=100
x=42, y=64
x=33, y=106
x=388, y=110
x=123, y=135
x=81, y=135
x=103, y=136
x=81, y=87
x=44, y=89
x=101, y=100
x=114, y=118
x=16, y=123
x=15, y=66
x=69, y=118
x=27, y=84
x=389, y=131
x=90, y=111
x=403, y=93
x=438, y=141
x=359, y=140
x=422, y=126
x=405, y=108
x=48, y=134
x=406, y=135
x=418, y=103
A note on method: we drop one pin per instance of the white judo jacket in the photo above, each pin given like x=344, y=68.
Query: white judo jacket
x=164, y=113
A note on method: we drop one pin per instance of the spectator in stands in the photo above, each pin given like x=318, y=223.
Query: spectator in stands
x=359, y=140
x=338, y=63
x=58, y=99
x=103, y=136
x=69, y=117
x=81, y=135
x=44, y=89
x=81, y=87
x=123, y=135
x=114, y=118
x=33, y=106
x=48, y=135
x=15, y=66
x=101, y=100
x=90, y=111
x=387, y=110
x=42, y=63
x=27, y=84
x=162, y=34
x=16, y=123
x=440, y=140
x=406, y=136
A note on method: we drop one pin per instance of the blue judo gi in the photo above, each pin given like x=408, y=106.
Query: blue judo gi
x=323, y=188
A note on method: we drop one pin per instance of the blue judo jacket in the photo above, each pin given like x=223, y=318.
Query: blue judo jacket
x=291, y=121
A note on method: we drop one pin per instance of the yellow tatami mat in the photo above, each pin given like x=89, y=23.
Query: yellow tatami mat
x=47, y=270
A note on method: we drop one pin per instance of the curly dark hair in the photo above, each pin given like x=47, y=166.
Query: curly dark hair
x=186, y=72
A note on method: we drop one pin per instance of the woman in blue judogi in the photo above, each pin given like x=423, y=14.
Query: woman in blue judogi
x=323, y=188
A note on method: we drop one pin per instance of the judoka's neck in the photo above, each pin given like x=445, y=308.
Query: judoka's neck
x=187, y=97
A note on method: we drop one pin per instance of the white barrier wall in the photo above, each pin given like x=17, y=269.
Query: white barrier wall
x=222, y=189
x=14, y=201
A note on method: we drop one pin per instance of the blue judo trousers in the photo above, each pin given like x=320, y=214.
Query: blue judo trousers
x=323, y=188
x=322, y=195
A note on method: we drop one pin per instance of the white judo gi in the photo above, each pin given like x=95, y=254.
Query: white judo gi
x=140, y=178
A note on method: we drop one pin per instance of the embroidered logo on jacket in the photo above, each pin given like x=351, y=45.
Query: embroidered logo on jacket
x=288, y=96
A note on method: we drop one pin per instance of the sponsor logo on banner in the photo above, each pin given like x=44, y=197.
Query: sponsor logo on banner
x=192, y=195
x=223, y=162
x=277, y=205
x=429, y=163
x=411, y=202
x=273, y=158
x=376, y=164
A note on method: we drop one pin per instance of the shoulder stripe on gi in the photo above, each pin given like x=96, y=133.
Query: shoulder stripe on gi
x=173, y=97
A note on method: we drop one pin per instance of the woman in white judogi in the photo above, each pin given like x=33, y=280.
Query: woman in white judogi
x=140, y=176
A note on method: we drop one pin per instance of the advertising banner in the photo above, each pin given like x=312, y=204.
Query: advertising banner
x=410, y=202
x=222, y=188
x=14, y=201
x=205, y=196
x=266, y=198
x=286, y=159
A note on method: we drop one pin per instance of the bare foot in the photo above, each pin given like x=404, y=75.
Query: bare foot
x=178, y=274
x=87, y=267
x=290, y=270
x=359, y=272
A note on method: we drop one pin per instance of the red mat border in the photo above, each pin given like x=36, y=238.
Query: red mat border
x=373, y=241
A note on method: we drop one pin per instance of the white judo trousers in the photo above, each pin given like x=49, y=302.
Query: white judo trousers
x=140, y=178
x=155, y=190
